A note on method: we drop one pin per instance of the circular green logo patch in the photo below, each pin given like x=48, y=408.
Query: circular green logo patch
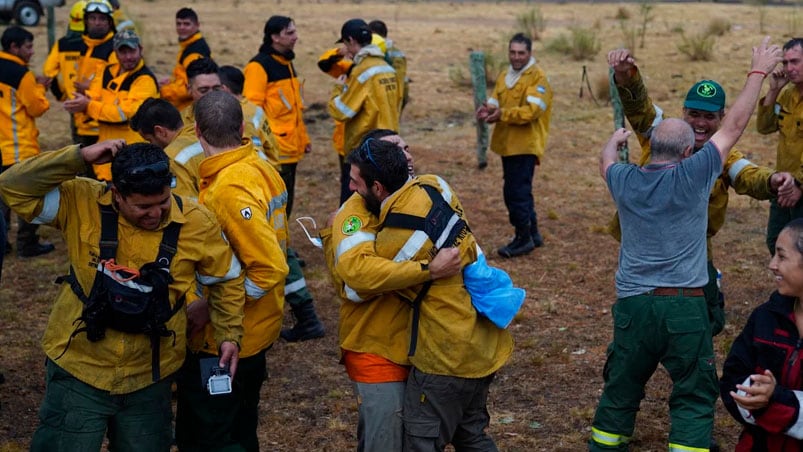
x=351, y=225
x=707, y=90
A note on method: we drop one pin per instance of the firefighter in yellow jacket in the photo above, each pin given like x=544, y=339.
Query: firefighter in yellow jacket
x=257, y=126
x=450, y=343
x=780, y=111
x=97, y=51
x=115, y=97
x=248, y=197
x=395, y=57
x=334, y=63
x=159, y=123
x=369, y=98
x=61, y=65
x=373, y=331
x=22, y=100
x=271, y=82
x=192, y=46
x=703, y=109
x=520, y=108
x=120, y=379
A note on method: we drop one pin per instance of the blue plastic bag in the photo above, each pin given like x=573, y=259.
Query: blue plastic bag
x=492, y=292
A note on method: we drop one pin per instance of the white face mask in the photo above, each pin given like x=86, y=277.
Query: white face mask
x=316, y=241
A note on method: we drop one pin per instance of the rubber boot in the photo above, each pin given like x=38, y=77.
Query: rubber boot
x=538, y=241
x=521, y=244
x=307, y=325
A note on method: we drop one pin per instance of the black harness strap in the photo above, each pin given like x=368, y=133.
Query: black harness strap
x=434, y=225
x=108, y=250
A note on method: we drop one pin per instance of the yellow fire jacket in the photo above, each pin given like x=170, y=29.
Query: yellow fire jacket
x=453, y=339
x=257, y=128
x=370, y=98
x=785, y=118
x=185, y=154
x=380, y=324
x=248, y=197
x=21, y=100
x=94, y=57
x=271, y=83
x=45, y=190
x=398, y=60
x=115, y=98
x=62, y=66
x=526, y=112
x=332, y=63
x=738, y=172
x=189, y=50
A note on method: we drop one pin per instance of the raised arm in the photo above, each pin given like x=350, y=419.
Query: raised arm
x=765, y=58
x=609, y=154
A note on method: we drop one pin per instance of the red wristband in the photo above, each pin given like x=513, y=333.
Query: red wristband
x=763, y=74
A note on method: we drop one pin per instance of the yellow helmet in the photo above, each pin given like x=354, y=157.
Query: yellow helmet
x=77, y=16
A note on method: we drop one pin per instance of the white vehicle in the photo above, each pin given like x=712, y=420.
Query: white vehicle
x=25, y=12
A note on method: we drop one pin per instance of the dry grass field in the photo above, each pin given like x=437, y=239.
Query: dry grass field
x=545, y=397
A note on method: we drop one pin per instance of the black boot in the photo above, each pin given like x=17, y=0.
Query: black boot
x=521, y=244
x=35, y=249
x=307, y=324
x=538, y=241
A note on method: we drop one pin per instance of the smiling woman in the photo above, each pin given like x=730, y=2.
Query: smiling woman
x=761, y=378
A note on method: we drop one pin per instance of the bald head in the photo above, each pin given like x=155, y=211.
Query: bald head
x=671, y=139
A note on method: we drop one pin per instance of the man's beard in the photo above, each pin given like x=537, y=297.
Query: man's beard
x=373, y=204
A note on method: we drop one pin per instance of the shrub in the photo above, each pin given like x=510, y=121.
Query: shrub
x=532, y=23
x=622, y=14
x=718, y=26
x=645, y=13
x=583, y=44
x=699, y=47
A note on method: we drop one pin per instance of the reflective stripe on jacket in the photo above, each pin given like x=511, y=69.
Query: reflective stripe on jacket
x=62, y=66
x=121, y=362
x=21, y=101
x=271, y=83
x=115, y=99
x=370, y=98
x=249, y=199
x=738, y=172
x=94, y=58
x=526, y=112
x=379, y=324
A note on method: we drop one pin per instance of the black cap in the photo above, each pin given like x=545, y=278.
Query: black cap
x=354, y=28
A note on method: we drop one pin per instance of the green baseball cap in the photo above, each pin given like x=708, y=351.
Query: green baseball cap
x=705, y=95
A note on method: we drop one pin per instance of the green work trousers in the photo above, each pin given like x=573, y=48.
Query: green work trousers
x=715, y=301
x=75, y=416
x=295, y=286
x=675, y=332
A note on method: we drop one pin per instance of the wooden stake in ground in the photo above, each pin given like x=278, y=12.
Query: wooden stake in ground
x=477, y=68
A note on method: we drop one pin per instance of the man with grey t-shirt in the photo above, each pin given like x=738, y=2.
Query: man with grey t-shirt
x=660, y=315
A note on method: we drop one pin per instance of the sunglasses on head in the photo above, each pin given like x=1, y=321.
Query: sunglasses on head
x=365, y=150
x=156, y=169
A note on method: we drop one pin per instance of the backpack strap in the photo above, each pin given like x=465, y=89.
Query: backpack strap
x=434, y=225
